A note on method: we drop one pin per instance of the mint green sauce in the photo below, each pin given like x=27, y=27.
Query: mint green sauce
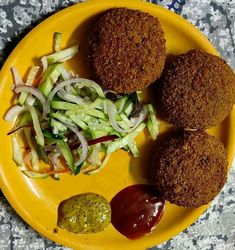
x=85, y=213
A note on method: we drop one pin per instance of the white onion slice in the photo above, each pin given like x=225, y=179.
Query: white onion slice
x=13, y=112
x=121, y=107
x=94, y=157
x=105, y=161
x=56, y=89
x=35, y=92
x=32, y=74
x=105, y=107
x=30, y=100
x=112, y=111
x=70, y=98
x=16, y=76
x=82, y=81
x=65, y=74
x=84, y=145
x=68, y=88
x=28, y=157
x=17, y=153
x=54, y=157
x=137, y=120
x=44, y=64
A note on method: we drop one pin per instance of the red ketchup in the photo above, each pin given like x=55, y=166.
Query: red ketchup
x=136, y=210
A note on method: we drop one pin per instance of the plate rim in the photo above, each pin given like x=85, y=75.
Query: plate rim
x=90, y=3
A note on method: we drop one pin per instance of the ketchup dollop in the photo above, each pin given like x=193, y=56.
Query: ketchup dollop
x=136, y=210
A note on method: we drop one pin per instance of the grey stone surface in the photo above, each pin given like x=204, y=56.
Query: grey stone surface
x=216, y=228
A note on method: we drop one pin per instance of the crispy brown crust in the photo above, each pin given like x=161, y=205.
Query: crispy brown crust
x=127, y=50
x=197, y=90
x=190, y=168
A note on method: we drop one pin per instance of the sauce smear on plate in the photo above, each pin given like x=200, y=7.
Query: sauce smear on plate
x=136, y=210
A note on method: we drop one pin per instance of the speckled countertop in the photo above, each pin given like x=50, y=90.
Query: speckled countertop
x=216, y=19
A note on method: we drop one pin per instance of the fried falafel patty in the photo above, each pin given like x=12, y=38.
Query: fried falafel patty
x=197, y=90
x=127, y=50
x=190, y=168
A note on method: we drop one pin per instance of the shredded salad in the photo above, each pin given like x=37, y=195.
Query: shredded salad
x=70, y=123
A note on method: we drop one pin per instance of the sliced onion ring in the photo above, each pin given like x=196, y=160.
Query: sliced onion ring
x=13, y=112
x=35, y=92
x=84, y=145
x=56, y=89
x=70, y=98
x=112, y=111
x=44, y=64
x=137, y=120
x=16, y=76
x=82, y=81
x=54, y=158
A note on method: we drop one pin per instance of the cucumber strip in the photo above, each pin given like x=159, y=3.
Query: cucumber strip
x=62, y=117
x=87, y=111
x=105, y=161
x=35, y=162
x=76, y=119
x=63, y=55
x=49, y=135
x=100, y=127
x=50, y=77
x=64, y=148
x=126, y=120
x=42, y=154
x=133, y=148
x=57, y=41
x=34, y=175
x=23, y=119
x=95, y=113
x=120, y=103
x=128, y=107
x=78, y=169
x=57, y=126
x=36, y=125
x=94, y=157
x=123, y=125
x=98, y=103
x=105, y=107
x=72, y=89
x=87, y=118
x=152, y=123
x=120, y=143
x=32, y=74
x=58, y=105
x=97, y=123
x=17, y=153
x=98, y=133
x=90, y=84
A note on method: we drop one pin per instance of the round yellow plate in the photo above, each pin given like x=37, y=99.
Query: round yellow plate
x=36, y=201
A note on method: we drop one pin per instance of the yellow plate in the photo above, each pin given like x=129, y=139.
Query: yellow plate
x=36, y=201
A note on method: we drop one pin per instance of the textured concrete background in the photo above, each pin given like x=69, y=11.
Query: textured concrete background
x=216, y=228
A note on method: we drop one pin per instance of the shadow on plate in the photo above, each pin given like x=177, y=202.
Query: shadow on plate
x=140, y=166
x=80, y=63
